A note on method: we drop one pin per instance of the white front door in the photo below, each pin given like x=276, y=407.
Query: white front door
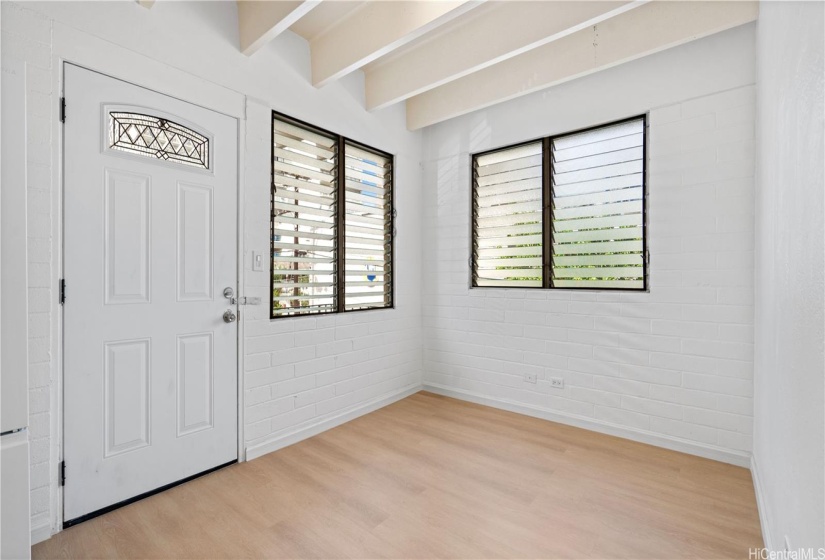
x=150, y=364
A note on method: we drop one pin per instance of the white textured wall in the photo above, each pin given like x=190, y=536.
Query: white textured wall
x=789, y=436
x=26, y=36
x=300, y=374
x=672, y=366
x=303, y=371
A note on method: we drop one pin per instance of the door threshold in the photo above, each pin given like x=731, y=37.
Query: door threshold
x=107, y=509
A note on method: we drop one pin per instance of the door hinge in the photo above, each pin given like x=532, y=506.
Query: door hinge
x=62, y=289
x=61, y=474
x=62, y=109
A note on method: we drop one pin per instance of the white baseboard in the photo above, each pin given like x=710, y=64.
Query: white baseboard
x=305, y=432
x=41, y=528
x=762, y=506
x=668, y=442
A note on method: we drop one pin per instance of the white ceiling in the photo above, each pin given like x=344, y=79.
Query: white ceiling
x=447, y=58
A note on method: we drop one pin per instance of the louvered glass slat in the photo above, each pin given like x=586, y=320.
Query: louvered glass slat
x=305, y=308
x=507, y=217
x=597, y=284
x=301, y=183
x=483, y=253
x=358, y=187
x=507, y=154
x=510, y=165
x=604, y=197
x=513, y=186
x=624, y=208
x=365, y=176
x=599, y=172
x=308, y=161
x=513, y=233
x=605, y=234
x=598, y=201
x=368, y=200
x=512, y=241
x=520, y=274
x=365, y=210
x=508, y=198
x=533, y=218
x=603, y=146
x=482, y=282
x=302, y=285
x=601, y=134
x=291, y=168
x=304, y=147
x=599, y=160
x=287, y=232
x=599, y=222
x=510, y=176
x=303, y=221
x=598, y=185
x=511, y=261
x=599, y=260
x=297, y=206
x=304, y=135
x=600, y=248
x=509, y=209
x=595, y=272
x=358, y=276
x=367, y=229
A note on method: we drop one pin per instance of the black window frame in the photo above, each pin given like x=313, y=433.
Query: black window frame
x=547, y=211
x=339, y=293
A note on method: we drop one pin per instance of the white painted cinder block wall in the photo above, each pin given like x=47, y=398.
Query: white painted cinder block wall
x=789, y=434
x=300, y=375
x=673, y=366
x=26, y=36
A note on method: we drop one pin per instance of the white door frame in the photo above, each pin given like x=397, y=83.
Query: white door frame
x=78, y=48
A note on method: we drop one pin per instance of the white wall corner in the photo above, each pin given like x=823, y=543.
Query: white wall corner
x=762, y=506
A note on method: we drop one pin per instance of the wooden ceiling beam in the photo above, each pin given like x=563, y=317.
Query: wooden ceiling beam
x=260, y=21
x=651, y=28
x=491, y=34
x=376, y=29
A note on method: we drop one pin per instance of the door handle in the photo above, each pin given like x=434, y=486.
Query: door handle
x=229, y=316
x=229, y=294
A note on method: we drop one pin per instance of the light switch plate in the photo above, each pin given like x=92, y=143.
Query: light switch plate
x=257, y=261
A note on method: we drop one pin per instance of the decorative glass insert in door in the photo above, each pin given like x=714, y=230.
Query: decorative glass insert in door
x=156, y=137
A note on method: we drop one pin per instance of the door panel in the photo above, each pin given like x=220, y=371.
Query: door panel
x=126, y=395
x=195, y=389
x=194, y=242
x=127, y=244
x=150, y=229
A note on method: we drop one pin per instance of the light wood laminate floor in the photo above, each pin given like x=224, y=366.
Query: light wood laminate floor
x=433, y=477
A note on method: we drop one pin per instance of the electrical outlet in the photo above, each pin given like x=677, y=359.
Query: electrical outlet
x=557, y=383
x=530, y=377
